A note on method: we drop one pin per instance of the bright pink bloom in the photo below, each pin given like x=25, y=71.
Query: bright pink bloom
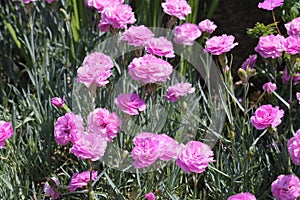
x=101, y=121
x=150, y=69
x=269, y=87
x=118, y=15
x=150, y=196
x=267, y=116
x=177, y=8
x=28, y=1
x=286, y=187
x=49, y=190
x=298, y=96
x=270, y=4
x=6, y=131
x=137, y=35
x=294, y=148
x=286, y=77
x=96, y=69
x=242, y=196
x=292, y=45
x=160, y=47
x=218, y=45
x=207, y=26
x=194, y=157
x=178, y=90
x=130, y=103
x=82, y=179
x=58, y=102
x=67, y=128
x=101, y=4
x=270, y=46
x=250, y=61
x=293, y=27
x=186, y=33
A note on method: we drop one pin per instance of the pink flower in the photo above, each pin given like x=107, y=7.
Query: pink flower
x=267, y=116
x=286, y=77
x=49, y=1
x=294, y=148
x=169, y=148
x=218, y=45
x=67, y=128
x=177, y=8
x=28, y=1
x=150, y=196
x=286, y=187
x=194, y=157
x=298, y=96
x=292, y=45
x=101, y=4
x=242, y=196
x=130, y=103
x=270, y=46
x=137, y=35
x=293, y=27
x=82, y=179
x=101, y=121
x=118, y=15
x=96, y=69
x=207, y=26
x=6, y=131
x=270, y=4
x=150, y=69
x=186, y=33
x=251, y=60
x=104, y=26
x=49, y=191
x=58, y=102
x=160, y=47
x=269, y=87
x=178, y=90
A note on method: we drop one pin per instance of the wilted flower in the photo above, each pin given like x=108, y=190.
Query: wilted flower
x=270, y=46
x=6, y=131
x=150, y=196
x=58, y=102
x=179, y=89
x=218, y=45
x=177, y=8
x=150, y=69
x=130, y=103
x=293, y=27
x=101, y=4
x=160, y=47
x=137, y=35
x=49, y=190
x=82, y=179
x=186, y=33
x=270, y=4
x=292, y=45
x=194, y=157
x=242, y=196
x=286, y=77
x=269, y=87
x=294, y=148
x=286, y=187
x=250, y=61
x=267, y=116
x=207, y=26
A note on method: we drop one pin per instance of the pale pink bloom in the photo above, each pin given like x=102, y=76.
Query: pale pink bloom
x=178, y=90
x=270, y=46
x=49, y=190
x=67, y=128
x=286, y=77
x=28, y=1
x=267, y=116
x=58, y=102
x=130, y=103
x=298, y=96
x=150, y=69
x=95, y=69
x=294, y=148
x=194, y=157
x=293, y=27
x=137, y=35
x=286, y=187
x=242, y=196
x=169, y=148
x=270, y=4
x=292, y=45
x=250, y=61
x=82, y=179
x=218, y=45
x=186, y=33
x=150, y=196
x=160, y=47
x=102, y=122
x=269, y=87
x=101, y=4
x=207, y=26
x=6, y=131
x=177, y=8
x=89, y=146
x=118, y=15
x=104, y=26
x=49, y=1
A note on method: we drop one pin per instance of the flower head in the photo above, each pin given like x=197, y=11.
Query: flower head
x=101, y=4
x=179, y=89
x=218, y=45
x=286, y=77
x=6, y=131
x=242, y=196
x=160, y=47
x=293, y=27
x=49, y=190
x=186, y=33
x=130, y=103
x=137, y=35
x=292, y=45
x=150, y=196
x=294, y=148
x=58, y=102
x=270, y=4
x=298, y=96
x=270, y=46
x=207, y=26
x=267, y=116
x=177, y=8
x=269, y=87
x=286, y=187
x=250, y=61
x=82, y=179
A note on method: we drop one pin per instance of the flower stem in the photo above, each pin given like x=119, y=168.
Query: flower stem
x=90, y=187
x=274, y=19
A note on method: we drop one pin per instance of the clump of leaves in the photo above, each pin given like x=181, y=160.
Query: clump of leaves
x=261, y=30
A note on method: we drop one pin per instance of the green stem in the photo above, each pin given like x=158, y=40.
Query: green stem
x=90, y=186
x=274, y=19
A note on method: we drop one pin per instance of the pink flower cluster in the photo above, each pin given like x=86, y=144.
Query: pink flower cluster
x=179, y=89
x=271, y=46
x=218, y=45
x=269, y=87
x=49, y=191
x=294, y=148
x=242, y=196
x=293, y=27
x=82, y=179
x=130, y=103
x=177, y=8
x=186, y=33
x=270, y=4
x=101, y=4
x=286, y=187
x=6, y=131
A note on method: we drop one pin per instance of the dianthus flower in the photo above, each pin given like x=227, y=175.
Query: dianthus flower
x=160, y=47
x=286, y=187
x=82, y=179
x=150, y=196
x=286, y=77
x=270, y=4
x=101, y=4
x=293, y=27
x=28, y=1
x=178, y=90
x=298, y=96
x=186, y=33
x=6, y=131
x=207, y=26
x=292, y=45
x=49, y=190
x=269, y=87
x=218, y=45
x=137, y=35
x=250, y=61
x=130, y=103
x=58, y=102
x=270, y=46
x=242, y=196
x=177, y=8
x=294, y=148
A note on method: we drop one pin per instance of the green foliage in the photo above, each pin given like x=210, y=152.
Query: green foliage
x=261, y=30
